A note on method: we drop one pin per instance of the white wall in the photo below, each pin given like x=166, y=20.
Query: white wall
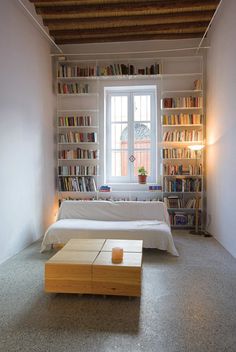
x=221, y=126
x=26, y=131
x=149, y=48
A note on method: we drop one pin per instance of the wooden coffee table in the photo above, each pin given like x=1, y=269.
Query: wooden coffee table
x=85, y=266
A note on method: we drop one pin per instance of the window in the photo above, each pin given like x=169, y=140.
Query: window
x=131, y=133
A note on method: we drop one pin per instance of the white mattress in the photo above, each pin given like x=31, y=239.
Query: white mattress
x=154, y=233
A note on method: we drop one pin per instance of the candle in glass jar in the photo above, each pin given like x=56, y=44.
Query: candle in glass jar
x=117, y=255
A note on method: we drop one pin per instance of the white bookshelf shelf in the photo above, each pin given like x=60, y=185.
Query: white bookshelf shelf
x=183, y=125
x=78, y=175
x=183, y=74
x=182, y=108
x=184, y=209
x=184, y=176
x=77, y=127
x=164, y=192
x=77, y=95
x=92, y=160
x=187, y=91
x=76, y=110
x=79, y=143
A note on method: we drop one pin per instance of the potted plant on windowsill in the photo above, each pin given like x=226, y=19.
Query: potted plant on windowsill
x=142, y=175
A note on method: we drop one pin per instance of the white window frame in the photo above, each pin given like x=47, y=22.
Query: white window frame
x=130, y=91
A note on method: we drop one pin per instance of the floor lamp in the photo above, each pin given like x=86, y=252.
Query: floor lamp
x=196, y=231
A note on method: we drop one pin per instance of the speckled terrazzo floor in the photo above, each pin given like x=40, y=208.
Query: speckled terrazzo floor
x=187, y=304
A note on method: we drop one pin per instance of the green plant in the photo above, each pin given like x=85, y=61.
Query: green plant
x=142, y=171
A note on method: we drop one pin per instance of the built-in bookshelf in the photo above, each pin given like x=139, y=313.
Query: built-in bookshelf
x=182, y=126
x=77, y=130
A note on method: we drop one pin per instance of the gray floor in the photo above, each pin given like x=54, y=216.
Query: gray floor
x=187, y=304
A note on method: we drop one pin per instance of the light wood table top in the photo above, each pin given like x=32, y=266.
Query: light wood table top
x=87, y=245
x=73, y=257
x=129, y=260
x=127, y=245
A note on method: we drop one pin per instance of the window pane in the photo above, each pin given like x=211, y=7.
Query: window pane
x=142, y=158
x=119, y=108
x=119, y=136
x=142, y=135
x=130, y=132
x=119, y=163
x=142, y=108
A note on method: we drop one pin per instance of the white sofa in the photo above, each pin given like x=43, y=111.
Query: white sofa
x=148, y=221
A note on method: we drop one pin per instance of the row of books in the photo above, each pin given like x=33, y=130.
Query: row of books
x=179, y=169
x=176, y=202
x=182, y=102
x=78, y=153
x=182, y=185
x=127, y=69
x=116, y=69
x=77, y=137
x=74, y=121
x=72, y=88
x=77, y=184
x=183, y=136
x=78, y=170
x=180, y=153
x=65, y=70
x=182, y=119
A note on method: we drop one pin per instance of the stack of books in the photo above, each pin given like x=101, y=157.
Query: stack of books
x=105, y=188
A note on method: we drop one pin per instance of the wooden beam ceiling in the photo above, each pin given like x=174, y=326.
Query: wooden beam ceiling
x=94, y=21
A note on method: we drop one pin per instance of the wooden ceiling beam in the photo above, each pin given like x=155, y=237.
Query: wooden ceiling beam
x=128, y=38
x=187, y=27
x=85, y=2
x=55, y=3
x=150, y=31
x=144, y=11
x=126, y=21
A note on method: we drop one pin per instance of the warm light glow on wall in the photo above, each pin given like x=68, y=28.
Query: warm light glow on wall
x=55, y=210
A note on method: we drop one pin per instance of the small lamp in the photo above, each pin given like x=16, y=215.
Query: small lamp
x=196, y=148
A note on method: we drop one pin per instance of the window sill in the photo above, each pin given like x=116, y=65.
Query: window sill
x=130, y=186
